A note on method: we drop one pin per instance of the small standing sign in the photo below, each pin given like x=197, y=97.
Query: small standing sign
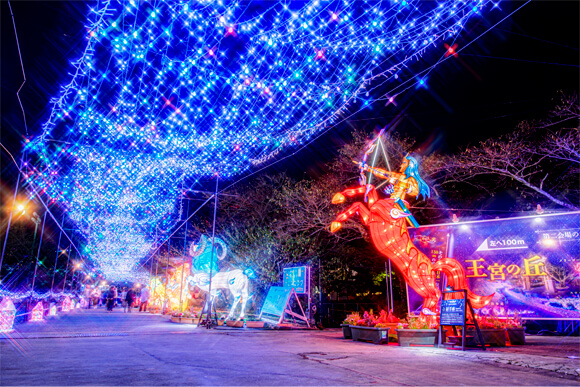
x=453, y=313
x=277, y=305
x=298, y=278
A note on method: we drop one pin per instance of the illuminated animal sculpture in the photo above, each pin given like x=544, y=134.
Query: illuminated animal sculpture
x=387, y=221
x=236, y=281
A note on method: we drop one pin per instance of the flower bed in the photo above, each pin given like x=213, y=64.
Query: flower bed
x=516, y=336
x=494, y=337
x=369, y=327
x=235, y=323
x=256, y=324
x=418, y=331
x=495, y=330
x=406, y=337
x=183, y=317
x=346, y=331
x=376, y=335
x=182, y=320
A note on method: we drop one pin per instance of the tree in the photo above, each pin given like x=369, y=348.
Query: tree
x=561, y=272
x=539, y=159
x=273, y=221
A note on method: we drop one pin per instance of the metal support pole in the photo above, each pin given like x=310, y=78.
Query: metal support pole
x=387, y=274
x=36, y=220
x=66, y=268
x=74, y=272
x=10, y=219
x=156, y=267
x=56, y=259
x=37, y=256
x=391, y=284
x=166, y=298
x=208, y=321
x=183, y=262
x=320, y=289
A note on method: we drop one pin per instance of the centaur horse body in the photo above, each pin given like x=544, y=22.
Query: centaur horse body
x=236, y=281
x=387, y=222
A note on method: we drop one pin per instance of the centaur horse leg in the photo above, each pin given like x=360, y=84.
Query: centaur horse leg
x=357, y=207
x=245, y=295
x=236, y=302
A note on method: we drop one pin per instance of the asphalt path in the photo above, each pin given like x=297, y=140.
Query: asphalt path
x=93, y=347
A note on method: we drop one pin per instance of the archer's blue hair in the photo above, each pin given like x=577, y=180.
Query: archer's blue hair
x=412, y=170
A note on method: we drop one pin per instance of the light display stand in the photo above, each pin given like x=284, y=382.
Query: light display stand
x=453, y=314
x=209, y=304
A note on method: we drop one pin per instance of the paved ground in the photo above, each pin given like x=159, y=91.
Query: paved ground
x=99, y=348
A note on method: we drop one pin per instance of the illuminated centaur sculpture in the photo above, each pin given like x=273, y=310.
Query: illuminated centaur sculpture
x=387, y=220
x=203, y=263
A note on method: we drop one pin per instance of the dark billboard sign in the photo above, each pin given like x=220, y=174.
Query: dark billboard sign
x=532, y=264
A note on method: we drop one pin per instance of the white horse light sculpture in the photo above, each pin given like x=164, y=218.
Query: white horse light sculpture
x=236, y=281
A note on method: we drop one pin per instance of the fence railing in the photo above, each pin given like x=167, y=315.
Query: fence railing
x=333, y=313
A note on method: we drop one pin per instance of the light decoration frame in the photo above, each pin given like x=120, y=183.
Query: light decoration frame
x=7, y=315
x=176, y=91
x=37, y=313
x=66, y=304
x=177, y=289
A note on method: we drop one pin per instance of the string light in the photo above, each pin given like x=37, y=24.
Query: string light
x=167, y=92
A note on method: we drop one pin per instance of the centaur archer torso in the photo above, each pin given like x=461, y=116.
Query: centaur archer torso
x=387, y=220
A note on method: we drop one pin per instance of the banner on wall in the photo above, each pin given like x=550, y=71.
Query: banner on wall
x=532, y=264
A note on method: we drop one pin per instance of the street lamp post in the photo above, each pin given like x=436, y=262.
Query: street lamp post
x=10, y=216
x=36, y=220
x=66, y=269
x=76, y=268
x=58, y=252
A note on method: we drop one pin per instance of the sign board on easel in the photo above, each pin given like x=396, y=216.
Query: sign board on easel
x=277, y=305
x=297, y=278
x=453, y=313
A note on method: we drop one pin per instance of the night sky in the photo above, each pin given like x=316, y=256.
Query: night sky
x=509, y=74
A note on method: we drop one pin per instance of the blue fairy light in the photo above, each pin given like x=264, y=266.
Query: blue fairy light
x=174, y=91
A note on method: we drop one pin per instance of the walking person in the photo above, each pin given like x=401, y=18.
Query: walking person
x=124, y=299
x=130, y=297
x=111, y=299
x=144, y=299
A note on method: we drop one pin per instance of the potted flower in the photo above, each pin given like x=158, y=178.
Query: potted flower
x=235, y=323
x=366, y=329
x=252, y=322
x=515, y=330
x=417, y=330
x=492, y=330
x=350, y=319
x=183, y=317
x=176, y=317
x=387, y=320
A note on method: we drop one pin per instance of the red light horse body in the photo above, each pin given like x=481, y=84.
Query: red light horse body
x=388, y=227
